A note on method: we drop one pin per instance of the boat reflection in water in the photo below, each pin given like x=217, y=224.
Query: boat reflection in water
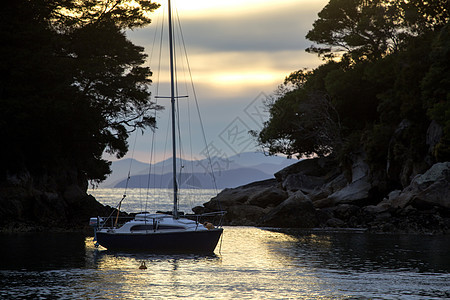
x=257, y=263
x=249, y=263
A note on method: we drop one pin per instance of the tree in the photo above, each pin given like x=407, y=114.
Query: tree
x=303, y=122
x=368, y=30
x=382, y=72
x=436, y=91
x=72, y=84
x=360, y=28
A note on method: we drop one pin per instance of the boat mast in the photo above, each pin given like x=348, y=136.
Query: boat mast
x=172, y=101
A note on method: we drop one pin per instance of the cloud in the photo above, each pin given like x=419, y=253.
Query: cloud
x=246, y=47
x=236, y=51
x=269, y=31
x=279, y=27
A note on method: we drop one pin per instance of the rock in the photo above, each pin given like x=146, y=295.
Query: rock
x=393, y=194
x=309, y=176
x=395, y=167
x=375, y=209
x=255, y=192
x=439, y=171
x=335, y=222
x=73, y=193
x=434, y=135
x=319, y=196
x=199, y=210
x=302, y=182
x=431, y=188
x=295, y=212
x=323, y=215
x=436, y=194
x=248, y=215
x=345, y=211
x=316, y=167
x=360, y=169
x=308, y=194
x=357, y=191
x=53, y=200
x=323, y=203
x=271, y=196
x=246, y=205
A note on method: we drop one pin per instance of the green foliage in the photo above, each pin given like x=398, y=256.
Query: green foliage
x=355, y=97
x=386, y=76
x=303, y=122
x=436, y=90
x=72, y=84
x=369, y=30
x=364, y=29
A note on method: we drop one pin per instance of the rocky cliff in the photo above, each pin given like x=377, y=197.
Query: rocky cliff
x=319, y=193
x=54, y=200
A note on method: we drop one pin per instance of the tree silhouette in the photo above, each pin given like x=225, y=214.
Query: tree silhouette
x=72, y=84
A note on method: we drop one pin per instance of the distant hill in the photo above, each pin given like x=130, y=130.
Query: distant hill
x=229, y=172
x=226, y=179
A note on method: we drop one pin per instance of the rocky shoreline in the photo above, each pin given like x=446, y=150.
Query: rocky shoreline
x=313, y=193
x=52, y=203
x=316, y=193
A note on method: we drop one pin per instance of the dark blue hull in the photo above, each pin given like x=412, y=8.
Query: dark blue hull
x=186, y=242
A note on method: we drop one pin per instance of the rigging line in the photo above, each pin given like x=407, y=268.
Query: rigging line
x=152, y=150
x=152, y=147
x=128, y=178
x=165, y=151
x=160, y=57
x=178, y=110
x=180, y=148
x=188, y=112
x=155, y=35
x=158, y=85
x=180, y=145
x=199, y=115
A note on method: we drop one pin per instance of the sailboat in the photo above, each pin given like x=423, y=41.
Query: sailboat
x=169, y=232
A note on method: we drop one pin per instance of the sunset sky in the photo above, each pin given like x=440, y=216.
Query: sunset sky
x=238, y=52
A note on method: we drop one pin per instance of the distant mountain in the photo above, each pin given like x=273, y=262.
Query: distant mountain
x=120, y=170
x=226, y=179
x=248, y=159
x=229, y=171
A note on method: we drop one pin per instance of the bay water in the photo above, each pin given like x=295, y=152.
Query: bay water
x=249, y=263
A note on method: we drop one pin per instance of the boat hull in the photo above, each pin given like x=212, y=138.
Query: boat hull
x=204, y=241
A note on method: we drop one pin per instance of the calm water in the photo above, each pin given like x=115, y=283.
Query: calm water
x=138, y=200
x=250, y=263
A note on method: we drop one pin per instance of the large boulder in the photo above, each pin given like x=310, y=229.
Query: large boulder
x=53, y=200
x=268, y=197
x=302, y=182
x=244, y=215
x=358, y=190
x=255, y=192
x=355, y=192
x=401, y=168
x=245, y=205
x=295, y=212
x=307, y=175
x=429, y=189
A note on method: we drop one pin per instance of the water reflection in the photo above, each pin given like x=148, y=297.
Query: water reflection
x=42, y=251
x=119, y=274
x=371, y=252
x=252, y=263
